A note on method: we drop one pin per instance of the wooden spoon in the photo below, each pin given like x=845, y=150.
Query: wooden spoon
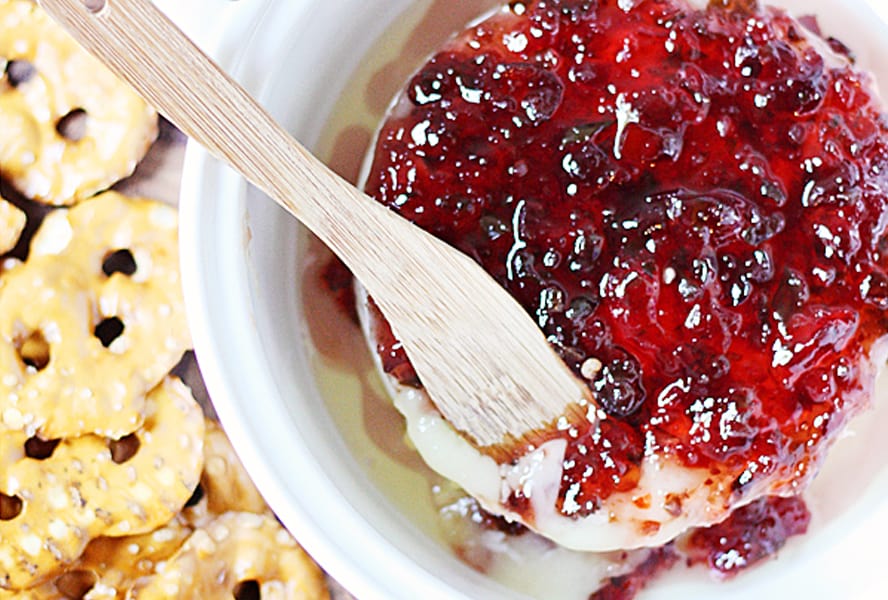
x=483, y=361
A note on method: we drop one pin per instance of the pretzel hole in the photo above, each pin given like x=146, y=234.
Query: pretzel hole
x=76, y=584
x=10, y=507
x=40, y=449
x=196, y=496
x=34, y=351
x=19, y=71
x=72, y=126
x=108, y=330
x=124, y=449
x=247, y=590
x=119, y=261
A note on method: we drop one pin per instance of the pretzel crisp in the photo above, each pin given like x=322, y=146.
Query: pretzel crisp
x=226, y=484
x=70, y=127
x=109, y=566
x=89, y=486
x=234, y=550
x=92, y=320
x=12, y=223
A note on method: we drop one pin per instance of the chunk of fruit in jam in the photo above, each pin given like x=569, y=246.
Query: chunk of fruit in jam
x=694, y=202
x=751, y=533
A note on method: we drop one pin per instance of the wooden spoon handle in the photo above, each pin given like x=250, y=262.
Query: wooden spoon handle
x=147, y=50
x=139, y=43
x=483, y=360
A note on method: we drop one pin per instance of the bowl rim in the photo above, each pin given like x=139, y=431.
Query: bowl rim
x=390, y=573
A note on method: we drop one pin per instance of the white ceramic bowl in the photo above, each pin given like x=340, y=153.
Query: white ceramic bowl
x=241, y=259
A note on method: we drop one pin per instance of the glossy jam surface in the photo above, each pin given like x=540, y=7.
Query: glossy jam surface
x=691, y=203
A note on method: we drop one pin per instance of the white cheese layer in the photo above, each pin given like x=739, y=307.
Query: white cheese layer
x=669, y=498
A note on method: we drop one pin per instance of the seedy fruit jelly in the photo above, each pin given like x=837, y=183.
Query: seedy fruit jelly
x=692, y=203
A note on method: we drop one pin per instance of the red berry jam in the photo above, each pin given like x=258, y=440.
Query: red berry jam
x=692, y=205
x=626, y=587
x=749, y=535
x=339, y=281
